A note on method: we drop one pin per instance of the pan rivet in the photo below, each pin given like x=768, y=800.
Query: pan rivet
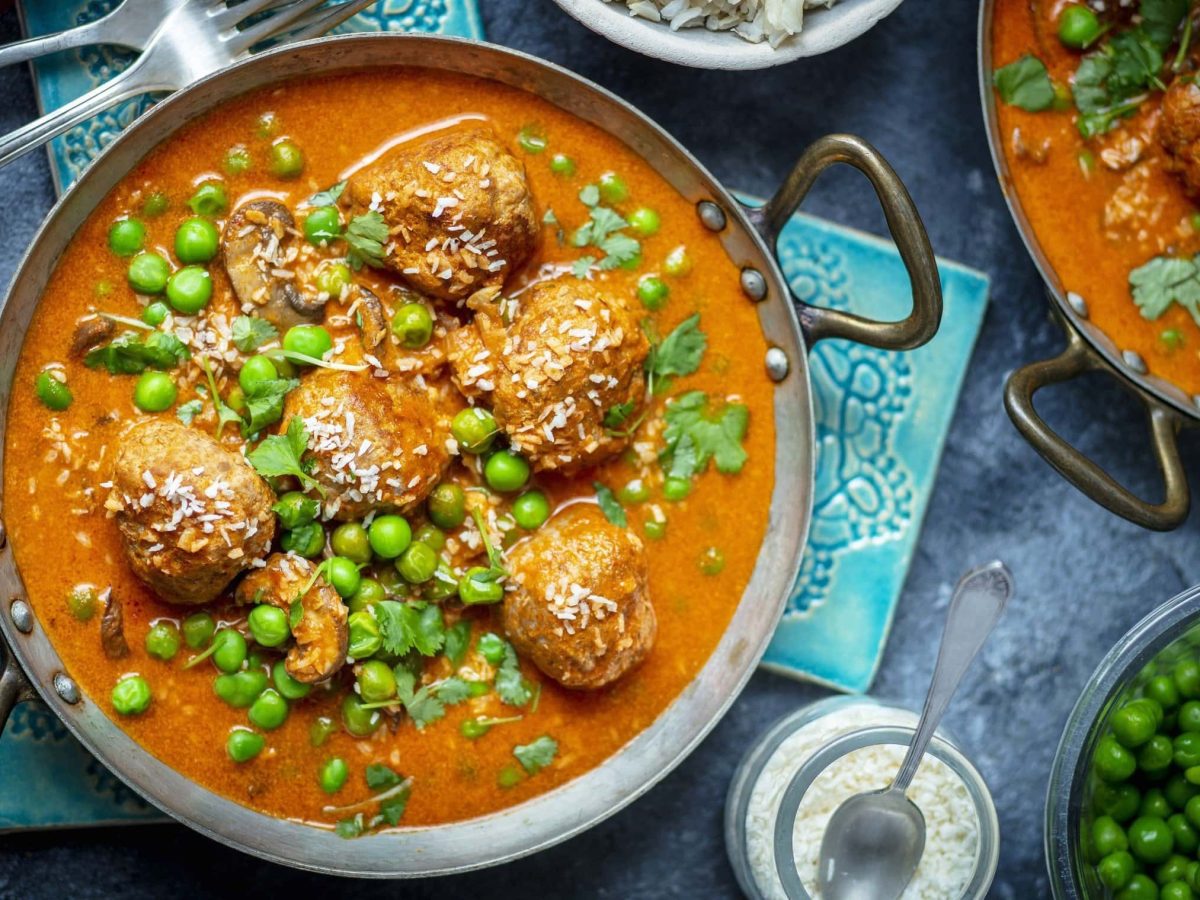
x=1078, y=304
x=754, y=285
x=777, y=364
x=711, y=215
x=66, y=688
x=22, y=616
x=1134, y=361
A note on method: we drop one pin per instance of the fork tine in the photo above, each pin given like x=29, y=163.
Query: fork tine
x=271, y=26
x=228, y=16
x=326, y=20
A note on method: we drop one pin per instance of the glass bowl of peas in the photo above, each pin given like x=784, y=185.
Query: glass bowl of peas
x=1123, y=805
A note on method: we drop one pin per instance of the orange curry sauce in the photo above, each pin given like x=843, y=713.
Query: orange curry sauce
x=1097, y=222
x=61, y=536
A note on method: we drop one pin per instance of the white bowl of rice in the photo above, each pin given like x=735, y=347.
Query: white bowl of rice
x=729, y=34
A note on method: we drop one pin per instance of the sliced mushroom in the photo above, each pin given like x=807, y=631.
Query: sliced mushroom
x=372, y=318
x=90, y=333
x=112, y=629
x=320, y=633
x=255, y=248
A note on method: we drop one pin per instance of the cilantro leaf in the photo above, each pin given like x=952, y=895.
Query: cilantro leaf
x=293, y=515
x=679, y=353
x=429, y=704
x=367, y=234
x=264, y=403
x=1165, y=280
x=1025, y=83
x=392, y=809
x=582, y=267
x=225, y=414
x=410, y=626
x=132, y=354
x=536, y=755
x=511, y=686
x=250, y=332
x=615, y=416
x=349, y=828
x=1161, y=19
x=279, y=454
x=589, y=195
x=329, y=196
x=380, y=777
x=458, y=641
x=618, y=249
x=696, y=433
x=187, y=412
x=613, y=511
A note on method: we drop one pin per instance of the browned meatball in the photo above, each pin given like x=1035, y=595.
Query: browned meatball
x=581, y=608
x=192, y=514
x=378, y=443
x=570, y=354
x=459, y=210
x=321, y=636
x=1179, y=132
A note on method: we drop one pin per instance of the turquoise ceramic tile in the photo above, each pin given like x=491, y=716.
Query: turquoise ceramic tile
x=881, y=421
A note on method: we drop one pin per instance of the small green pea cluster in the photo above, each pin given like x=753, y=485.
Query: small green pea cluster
x=1144, y=830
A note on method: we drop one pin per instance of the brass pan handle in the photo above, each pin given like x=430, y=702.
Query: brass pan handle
x=1082, y=472
x=904, y=223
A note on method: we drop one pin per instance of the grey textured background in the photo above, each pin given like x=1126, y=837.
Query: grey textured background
x=910, y=88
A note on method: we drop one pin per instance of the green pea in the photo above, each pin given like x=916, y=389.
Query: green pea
x=389, y=536
x=1176, y=890
x=256, y=370
x=532, y=139
x=478, y=586
x=320, y=730
x=474, y=429
x=333, y=774
x=82, y=602
x=240, y=689
x=1187, y=749
x=343, y=574
x=1115, y=870
x=1140, y=887
x=1187, y=839
x=162, y=640
x=1153, y=757
x=447, y=505
x=655, y=530
x=1113, y=762
x=531, y=510
x=295, y=509
x=287, y=160
x=510, y=776
x=369, y=593
x=412, y=323
x=305, y=540
x=268, y=625
x=267, y=125
x=237, y=160
x=365, y=639
x=443, y=585
x=376, y=682
x=1189, y=716
x=148, y=273
x=418, y=563
x=1153, y=707
x=644, y=221
x=155, y=204
x=243, y=745
x=269, y=711
x=196, y=241
x=652, y=291
x=154, y=392
x=323, y=225
x=155, y=313
x=210, y=199
x=1163, y=691
x=1154, y=803
x=230, y=650
x=332, y=278
x=492, y=648
x=635, y=491
x=432, y=537
x=1178, y=790
x=1107, y=836
x=712, y=561
x=52, y=391
x=309, y=340
x=473, y=729
x=1150, y=840
x=562, y=165
x=506, y=471
x=1192, y=811
x=126, y=237
x=1187, y=678
x=198, y=629
x=678, y=263
x=1078, y=26
x=676, y=488
x=288, y=686
x=1174, y=869
x=189, y=289
x=358, y=721
x=1133, y=724
x=131, y=695
x=613, y=188
x=350, y=540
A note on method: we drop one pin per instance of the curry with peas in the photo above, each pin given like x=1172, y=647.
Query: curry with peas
x=389, y=449
x=1099, y=118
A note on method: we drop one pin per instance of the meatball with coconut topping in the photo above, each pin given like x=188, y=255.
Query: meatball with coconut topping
x=192, y=515
x=458, y=209
x=1179, y=132
x=569, y=356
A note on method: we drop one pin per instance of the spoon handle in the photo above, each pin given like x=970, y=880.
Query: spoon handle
x=975, y=607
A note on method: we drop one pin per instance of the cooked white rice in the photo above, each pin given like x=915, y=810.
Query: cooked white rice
x=773, y=21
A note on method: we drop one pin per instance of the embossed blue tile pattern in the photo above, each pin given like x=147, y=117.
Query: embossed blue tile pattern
x=881, y=420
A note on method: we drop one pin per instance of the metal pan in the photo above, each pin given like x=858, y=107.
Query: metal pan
x=791, y=327
x=1088, y=350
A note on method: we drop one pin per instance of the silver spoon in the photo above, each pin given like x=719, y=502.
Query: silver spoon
x=874, y=841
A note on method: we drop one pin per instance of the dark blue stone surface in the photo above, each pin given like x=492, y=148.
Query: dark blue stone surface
x=910, y=88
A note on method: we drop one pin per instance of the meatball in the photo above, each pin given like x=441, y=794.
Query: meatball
x=321, y=636
x=458, y=208
x=377, y=443
x=580, y=607
x=1179, y=132
x=570, y=356
x=256, y=248
x=192, y=515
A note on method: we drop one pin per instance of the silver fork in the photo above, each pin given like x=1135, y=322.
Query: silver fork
x=193, y=40
x=129, y=25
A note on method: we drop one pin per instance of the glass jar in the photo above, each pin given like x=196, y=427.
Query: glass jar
x=855, y=736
